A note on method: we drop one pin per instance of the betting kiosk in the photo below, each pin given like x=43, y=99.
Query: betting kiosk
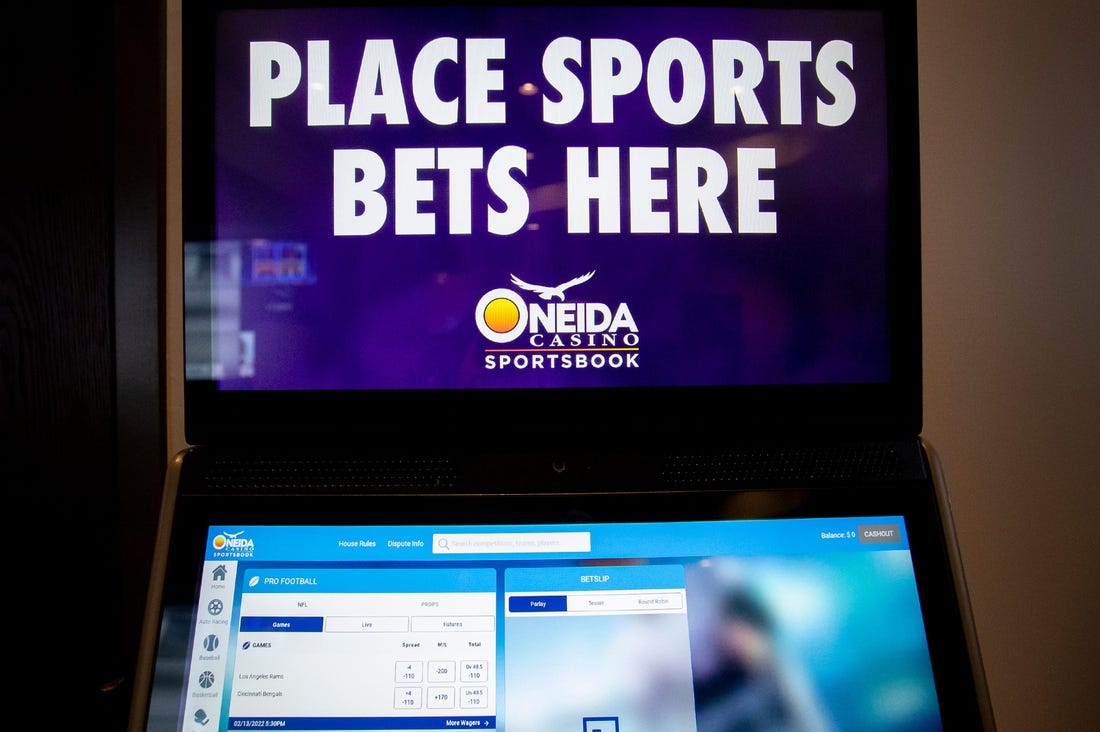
x=554, y=368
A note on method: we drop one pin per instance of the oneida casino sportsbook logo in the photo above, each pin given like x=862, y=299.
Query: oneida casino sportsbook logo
x=232, y=545
x=555, y=334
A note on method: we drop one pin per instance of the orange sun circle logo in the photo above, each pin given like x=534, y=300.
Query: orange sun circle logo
x=501, y=315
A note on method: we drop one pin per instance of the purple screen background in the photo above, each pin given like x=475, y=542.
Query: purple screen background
x=805, y=305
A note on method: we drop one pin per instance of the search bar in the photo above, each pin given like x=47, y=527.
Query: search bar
x=528, y=542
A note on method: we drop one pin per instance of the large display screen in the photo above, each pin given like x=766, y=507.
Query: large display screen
x=420, y=200
x=796, y=624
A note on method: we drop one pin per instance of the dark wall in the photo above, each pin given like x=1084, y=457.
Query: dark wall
x=80, y=346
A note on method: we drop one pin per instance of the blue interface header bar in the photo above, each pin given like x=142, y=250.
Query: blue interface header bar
x=445, y=543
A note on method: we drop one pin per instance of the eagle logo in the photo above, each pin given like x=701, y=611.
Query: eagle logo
x=548, y=293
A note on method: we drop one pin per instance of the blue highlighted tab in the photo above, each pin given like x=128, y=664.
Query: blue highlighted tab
x=267, y=624
x=536, y=604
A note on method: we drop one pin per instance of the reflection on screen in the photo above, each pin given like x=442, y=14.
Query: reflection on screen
x=809, y=643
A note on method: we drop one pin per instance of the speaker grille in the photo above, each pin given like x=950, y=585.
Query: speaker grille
x=858, y=462
x=225, y=474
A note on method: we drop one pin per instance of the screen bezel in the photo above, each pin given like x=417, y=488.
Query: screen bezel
x=684, y=415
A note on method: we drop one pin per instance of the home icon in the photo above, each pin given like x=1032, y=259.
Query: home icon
x=219, y=573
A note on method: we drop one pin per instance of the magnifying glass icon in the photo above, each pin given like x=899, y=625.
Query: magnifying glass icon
x=442, y=544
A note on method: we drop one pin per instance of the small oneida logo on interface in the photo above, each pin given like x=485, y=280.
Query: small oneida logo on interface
x=555, y=332
x=227, y=544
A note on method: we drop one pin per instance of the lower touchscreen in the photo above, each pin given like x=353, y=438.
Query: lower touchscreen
x=794, y=624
